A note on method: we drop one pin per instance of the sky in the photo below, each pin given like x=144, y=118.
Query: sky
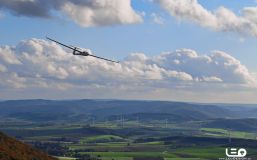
x=177, y=50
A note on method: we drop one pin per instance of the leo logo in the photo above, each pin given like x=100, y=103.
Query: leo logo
x=236, y=153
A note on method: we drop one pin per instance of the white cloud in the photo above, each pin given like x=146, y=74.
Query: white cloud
x=2, y=68
x=219, y=64
x=212, y=79
x=221, y=19
x=85, y=13
x=12, y=80
x=43, y=65
x=157, y=18
x=8, y=56
x=102, y=13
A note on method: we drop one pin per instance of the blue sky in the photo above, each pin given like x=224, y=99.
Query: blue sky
x=148, y=37
x=119, y=40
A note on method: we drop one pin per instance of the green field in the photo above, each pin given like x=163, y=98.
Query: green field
x=126, y=143
x=132, y=154
x=101, y=138
x=225, y=133
x=102, y=142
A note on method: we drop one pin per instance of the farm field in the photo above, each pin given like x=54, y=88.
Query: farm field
x=125, y=143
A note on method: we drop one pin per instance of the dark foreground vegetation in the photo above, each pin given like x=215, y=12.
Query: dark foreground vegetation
x=11, y=149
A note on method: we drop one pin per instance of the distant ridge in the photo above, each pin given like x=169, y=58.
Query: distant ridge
x=40, y=109
x=12, y=149
x=84, y=110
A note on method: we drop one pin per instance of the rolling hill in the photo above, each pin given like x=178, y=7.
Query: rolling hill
x=37, y=110
x=43, y=111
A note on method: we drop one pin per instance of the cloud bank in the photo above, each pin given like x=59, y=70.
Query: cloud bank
x=86, y=13
x=221, y=19
x=42, y=65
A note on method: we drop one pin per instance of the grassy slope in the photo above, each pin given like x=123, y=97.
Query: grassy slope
x=11, y=149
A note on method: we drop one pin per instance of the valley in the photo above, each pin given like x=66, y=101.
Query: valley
x=127, y=130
